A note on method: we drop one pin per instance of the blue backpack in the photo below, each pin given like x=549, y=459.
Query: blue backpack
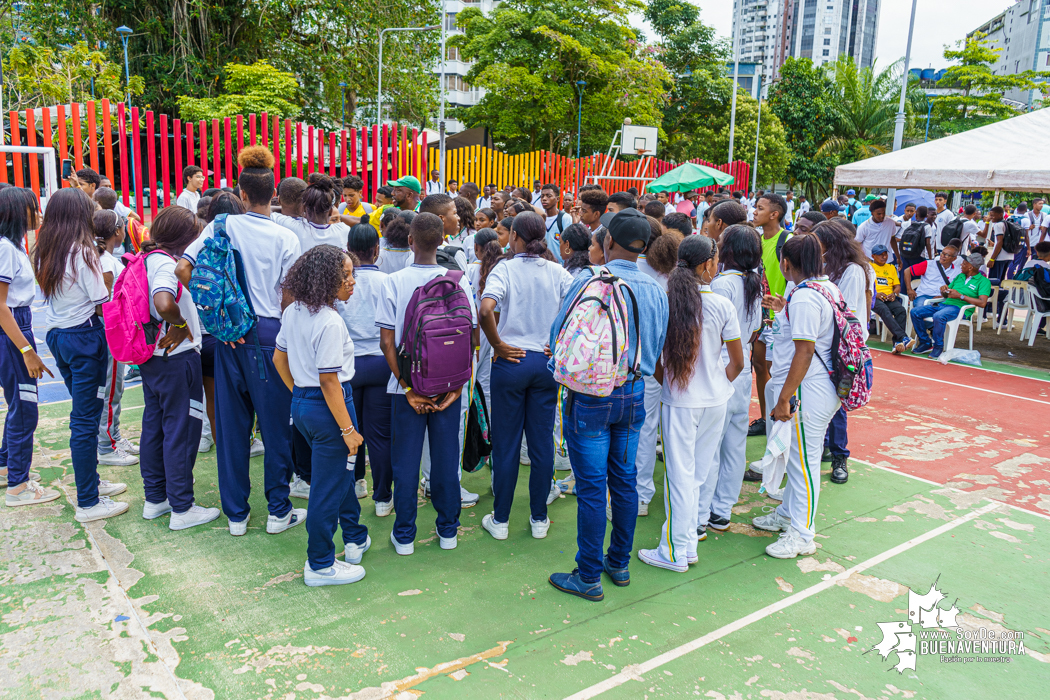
x=219, y=287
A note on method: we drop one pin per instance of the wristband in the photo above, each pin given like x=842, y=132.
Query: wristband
x=177, y=325
x=26, y=349
x=346, y=431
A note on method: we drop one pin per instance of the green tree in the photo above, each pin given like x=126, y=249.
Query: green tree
x=711, y=141
x=256, y=88
x=981, y=100
x=42, y=75
x=801, y=99
x=529, y=54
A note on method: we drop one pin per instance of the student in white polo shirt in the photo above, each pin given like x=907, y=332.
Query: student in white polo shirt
x=528, y=290
x=172, y=384
x=315, y=227
x=246, y=381
x=315, y=357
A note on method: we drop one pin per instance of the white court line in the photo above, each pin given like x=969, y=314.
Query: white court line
x=960, y=364
x=961, y=385
x=635, y=671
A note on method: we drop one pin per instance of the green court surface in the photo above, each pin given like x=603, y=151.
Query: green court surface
x=125, y=608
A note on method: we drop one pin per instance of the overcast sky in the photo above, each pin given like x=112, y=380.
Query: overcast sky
x=937, y=23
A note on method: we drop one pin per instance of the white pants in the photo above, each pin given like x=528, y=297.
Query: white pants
x=690, y=459
x=817, y=405
x=645, y=460
x=720, y=493
x=484, y=375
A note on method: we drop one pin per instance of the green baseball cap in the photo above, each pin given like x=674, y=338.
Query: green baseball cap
x=406, y=181
x=870, y=198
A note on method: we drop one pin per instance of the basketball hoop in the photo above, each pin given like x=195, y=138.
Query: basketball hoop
x=641, y=151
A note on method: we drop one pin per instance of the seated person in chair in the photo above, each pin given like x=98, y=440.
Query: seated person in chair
x=887, y=303
x=970, y=287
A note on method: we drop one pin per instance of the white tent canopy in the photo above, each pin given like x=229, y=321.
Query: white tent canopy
x=1006, y=155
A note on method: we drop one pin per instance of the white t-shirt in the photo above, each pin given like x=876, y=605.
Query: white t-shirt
x=942, y=220
x=268, y=252
x=359, y=312
x=1035, y=225
x=316, y=344
x=124, y=211
x=188, y=200
x=659, y=277
x=871, y=234
x=460, y=257
x=790, y=214
x=554, y=235
x=730, y=285
x=709, y=385
x=433, y=187
x=393, y=259
x=160, y=271
x=854, y=285
x=528, y=291
x=311, y=234
x=17, y=272
x=970, y=229
x=398, y=289
x=995, y=231
x=474, y=276
x=81, y=290
x=803, y=208
x=111, y=264
x=808, y=316
x=931, y=281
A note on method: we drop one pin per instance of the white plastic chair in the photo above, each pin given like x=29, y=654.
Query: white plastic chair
x=1016, y=298
x=951, y=331
x=884, y=332
x=1032, y=318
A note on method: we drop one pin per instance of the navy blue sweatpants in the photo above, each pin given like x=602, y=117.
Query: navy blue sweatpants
x=173, y=392
x=524, y=397
x=332, y=498
x=80, y=353
x=406, y=443
x=371, y=373
x=241, y=392
x=837, y=439
x=16, y=452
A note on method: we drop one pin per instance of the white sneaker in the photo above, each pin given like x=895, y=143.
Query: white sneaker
x=426, y=488
x=554, y=492
x=32, y=494
x=467, y=499
x=206, y=443
x=402, y=549
x=448, y=542
x=196, y=515
x=384, y=509
x=298, y=488
x=608, y=512
x=33, y=476
x=791, y=545
x=691, y=559
x=275, y=525
x=561, y=462
x=105, y=508
x=238, y=529
x=498, y=530
x=258, y=449
x=523, y=456
x=354, y=552
x=361, y=488
x=643, y=509
x=117, y=458
x=152, y=511
x=337, y=574
x=773, y=522
x=107, y=488
x=652, y=558
x=128, y=446
x=539, y=529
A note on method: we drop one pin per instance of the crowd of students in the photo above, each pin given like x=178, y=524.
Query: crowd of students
x=339, y=288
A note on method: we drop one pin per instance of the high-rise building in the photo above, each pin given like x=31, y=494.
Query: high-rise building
x=822, y=30
x=1022, y=33
x=459, y=93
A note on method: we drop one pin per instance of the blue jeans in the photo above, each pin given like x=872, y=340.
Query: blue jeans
x=80, y=353
x=602, y=437
x=941, y=314
x=332, y=498
x=920, y=301
x=524, y=397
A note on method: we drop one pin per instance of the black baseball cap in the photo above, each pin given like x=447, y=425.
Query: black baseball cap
x=626, y=227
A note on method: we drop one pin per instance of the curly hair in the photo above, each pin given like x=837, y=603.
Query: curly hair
x=316, y=277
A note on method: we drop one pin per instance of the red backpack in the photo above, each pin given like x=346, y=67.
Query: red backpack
x=130, y=330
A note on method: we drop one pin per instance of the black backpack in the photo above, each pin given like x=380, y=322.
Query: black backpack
x=953, y=229
x=913, y=240
x=1012, y=237
x=446, y=257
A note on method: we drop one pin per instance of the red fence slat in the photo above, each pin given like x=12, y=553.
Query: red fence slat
x=122, y=131
x=216, y=163
x=92, y=128
x=151, y=153
x=202, y=135
x=137, y=157
x=228, y=148
x=165, y=173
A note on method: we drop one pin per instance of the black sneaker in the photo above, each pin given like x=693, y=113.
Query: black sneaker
x=716, y=523
x=701, y=533
x=756, y=427
x=839, y=472
x=826, y=457
x=132, y=373
x=752, y=475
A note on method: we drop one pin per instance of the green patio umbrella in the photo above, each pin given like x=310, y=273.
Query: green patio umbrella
x=688, y=177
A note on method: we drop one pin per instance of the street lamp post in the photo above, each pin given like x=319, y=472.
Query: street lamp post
x=929, y=113
x=898, y=129
x=379, y=88
x=441, y=109
x=758, y=133
x=580, y=85
x=125, y=33
x=342, y=103
x=738, y=20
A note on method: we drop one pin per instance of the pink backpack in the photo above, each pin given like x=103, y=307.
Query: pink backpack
x=130, y=330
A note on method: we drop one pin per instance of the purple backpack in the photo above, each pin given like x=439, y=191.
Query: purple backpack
x=434, y=356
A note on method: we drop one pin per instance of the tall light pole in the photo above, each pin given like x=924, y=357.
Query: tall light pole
x=737, y=21
x=342, y=103
x=758, y=132
x=379, y=88
x=898, y=128
x=441, y=109
x=580, y=85
x=125, y=33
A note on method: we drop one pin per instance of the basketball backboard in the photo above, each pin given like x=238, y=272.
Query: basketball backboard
x=639, y=140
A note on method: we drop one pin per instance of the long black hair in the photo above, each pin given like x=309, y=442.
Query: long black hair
x=805, y=255
x=686, y=309
x=14, y=215
x=531, y=230
x=841, y=248
x=67, y=230
x=487, y=242
x=578, y=238
x=740, y=249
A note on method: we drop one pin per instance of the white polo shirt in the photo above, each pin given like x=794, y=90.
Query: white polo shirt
x=81, y=290
x=160, y=271
x=311, y=234
x=17, y=272
x=528, y=291
x=316, y=343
